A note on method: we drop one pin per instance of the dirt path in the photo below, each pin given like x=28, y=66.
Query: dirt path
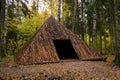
x=78, y=70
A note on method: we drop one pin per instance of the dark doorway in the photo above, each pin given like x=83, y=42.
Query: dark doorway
x=65, y=49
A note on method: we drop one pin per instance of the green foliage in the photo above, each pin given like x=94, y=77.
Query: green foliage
x=30, y=25
x=51, y=6
x=12, y=35
x=20, y=32
x=67, y=14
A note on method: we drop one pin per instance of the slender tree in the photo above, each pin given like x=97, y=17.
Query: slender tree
x=74, y=15
x=82, y=19
x=94, y=25
x=3, y=27
x=117, y=29
x=59, y=10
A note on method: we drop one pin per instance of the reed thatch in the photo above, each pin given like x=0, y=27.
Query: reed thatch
x=41, y=49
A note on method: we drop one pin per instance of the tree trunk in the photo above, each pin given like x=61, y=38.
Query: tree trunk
x=117, y=29
x=59, y=10
x=94, y=26
x=3, y=27
x=105, y=44
x=82, y=6
x=74, y=15
x=112, y=26
x=101, y=41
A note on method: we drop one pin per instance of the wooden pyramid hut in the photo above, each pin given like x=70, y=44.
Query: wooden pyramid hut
x=52, y=43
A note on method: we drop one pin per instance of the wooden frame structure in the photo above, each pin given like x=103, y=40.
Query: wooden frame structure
x=40, y=48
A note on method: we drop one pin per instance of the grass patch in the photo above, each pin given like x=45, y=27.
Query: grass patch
x=8, y=60
x=111, y=58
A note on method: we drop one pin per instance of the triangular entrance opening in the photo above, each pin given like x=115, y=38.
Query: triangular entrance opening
x=65, y=49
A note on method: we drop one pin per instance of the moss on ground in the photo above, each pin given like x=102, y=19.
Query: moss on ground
x=9, y=60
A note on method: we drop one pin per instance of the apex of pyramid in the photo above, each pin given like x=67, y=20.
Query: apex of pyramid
x=52, y=20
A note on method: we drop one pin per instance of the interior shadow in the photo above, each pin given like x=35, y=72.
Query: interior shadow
x=65, y=49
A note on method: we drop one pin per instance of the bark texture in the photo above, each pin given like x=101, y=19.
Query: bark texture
x=94, y=26
x=41, y=49
x=117, y=32
x=3, y=27
x=59, y=10
x=74, y=15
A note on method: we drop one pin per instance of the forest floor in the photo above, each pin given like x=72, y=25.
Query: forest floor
x=65, y=70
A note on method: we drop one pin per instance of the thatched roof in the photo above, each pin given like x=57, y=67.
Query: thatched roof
x=40, y=48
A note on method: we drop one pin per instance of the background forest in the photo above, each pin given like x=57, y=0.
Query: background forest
x=97, y=22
